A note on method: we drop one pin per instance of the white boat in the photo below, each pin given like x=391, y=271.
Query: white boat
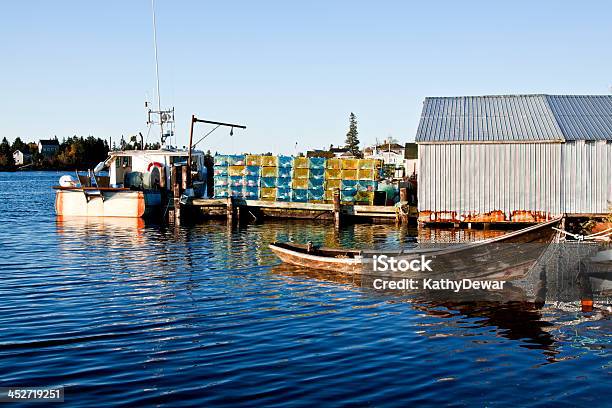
x=137, y=185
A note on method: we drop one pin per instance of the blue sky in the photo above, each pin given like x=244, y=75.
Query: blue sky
x=291, y=71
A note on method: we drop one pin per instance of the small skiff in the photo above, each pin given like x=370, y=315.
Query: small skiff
x=508, y=255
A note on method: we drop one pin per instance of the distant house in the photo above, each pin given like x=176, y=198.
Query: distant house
x=48, y=147
x=385, y=147
x=412, y=159
x=394, y=154
x=332, y=152
x=319, y=153
x=340, y=151
x=21, y=158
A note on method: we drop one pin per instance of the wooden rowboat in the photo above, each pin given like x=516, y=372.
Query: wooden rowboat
x=486, y=257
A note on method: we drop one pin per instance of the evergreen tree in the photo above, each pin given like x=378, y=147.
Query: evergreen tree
x=18, y=144
x=6, y=156
x=5, y=147
x=352, y=137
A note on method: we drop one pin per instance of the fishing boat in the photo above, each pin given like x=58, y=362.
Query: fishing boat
x=507, y=256
x=136, y=182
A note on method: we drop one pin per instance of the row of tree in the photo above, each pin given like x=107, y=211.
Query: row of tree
x=74, y=152
x=85, y=152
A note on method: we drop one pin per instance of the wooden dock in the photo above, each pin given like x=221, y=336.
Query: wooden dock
x=181, y=209
x=259, y=209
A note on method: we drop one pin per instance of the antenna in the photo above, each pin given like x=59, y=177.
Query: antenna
x=163, y=118
x=161, y=122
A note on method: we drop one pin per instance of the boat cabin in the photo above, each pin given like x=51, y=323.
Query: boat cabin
x=143, y=169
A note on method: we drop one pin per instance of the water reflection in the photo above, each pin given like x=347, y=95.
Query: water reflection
x=518, y=317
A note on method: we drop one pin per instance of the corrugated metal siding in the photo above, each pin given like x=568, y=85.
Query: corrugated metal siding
x=481, y=178
x=587, y=176
x=582, y=117
x=553, y=178
x=518, y=118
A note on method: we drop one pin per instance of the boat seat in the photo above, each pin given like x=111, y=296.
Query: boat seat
x=102, y=181
x=84, y=181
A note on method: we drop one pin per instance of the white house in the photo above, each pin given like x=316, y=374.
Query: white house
x=21, y=158
x=393, y=154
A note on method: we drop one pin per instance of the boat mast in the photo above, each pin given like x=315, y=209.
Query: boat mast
x=163, y=118
x=161, y=122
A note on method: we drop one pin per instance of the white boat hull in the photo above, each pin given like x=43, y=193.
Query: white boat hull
x=109, y=203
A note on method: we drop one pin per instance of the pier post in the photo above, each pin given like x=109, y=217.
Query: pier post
x=176, y=192
x=185, y=177
x=403, y=215
x=162, y=178
x=562, y=222
x=230, y=209
x=403, y=195
x=337, y=208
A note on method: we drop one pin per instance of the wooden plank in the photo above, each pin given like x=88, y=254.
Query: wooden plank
x=209, y=202
x=287, y=205
x=374, y=209
x=374, y=214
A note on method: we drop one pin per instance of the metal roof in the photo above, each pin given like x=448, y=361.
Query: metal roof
x=516, y=118
x=583, y=117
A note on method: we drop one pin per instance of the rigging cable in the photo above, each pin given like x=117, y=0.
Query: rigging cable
x=203, y=137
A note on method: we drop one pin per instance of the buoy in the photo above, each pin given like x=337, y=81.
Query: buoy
x=156, y=164
x=67, y=181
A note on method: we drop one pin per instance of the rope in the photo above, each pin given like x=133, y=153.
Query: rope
x=167, y=206
x=605, y=232
x=598, y=236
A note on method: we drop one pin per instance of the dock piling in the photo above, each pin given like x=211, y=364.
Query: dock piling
x=176, y=193
x=403, y=195
x=184, y=178
x=162, y=178
x=337, y=208
x=231, y=209
x=404, y=208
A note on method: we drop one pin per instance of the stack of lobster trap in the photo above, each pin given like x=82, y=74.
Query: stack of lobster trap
x=356, y=179
x=299, y=179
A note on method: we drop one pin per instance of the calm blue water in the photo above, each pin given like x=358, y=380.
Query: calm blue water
x=123, y=313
